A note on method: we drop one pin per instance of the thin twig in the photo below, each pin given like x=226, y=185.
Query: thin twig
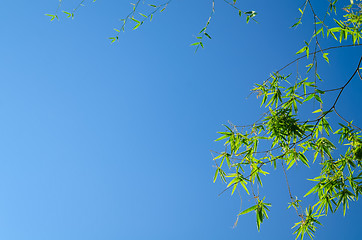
x=334, y=108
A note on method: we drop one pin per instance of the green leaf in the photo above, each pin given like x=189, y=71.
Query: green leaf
x=216, y=173
x=207, y=35
x=244, y=186
x=318, y=32
x=309, y=97
x=137, y=25
x=221, y=138
x=307, y=51
x=325, y=56
x=252, y=208
x=135, y=20
x=317, y=97
x=303, y=159
x=296, y=24
x=52, y=16
x=302, y=50
x=313, y=189
x=339, y=23
x=68, y=14
x=309, y=66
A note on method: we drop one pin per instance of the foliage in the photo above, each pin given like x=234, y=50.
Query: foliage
x=284, y=135
x=136, y=17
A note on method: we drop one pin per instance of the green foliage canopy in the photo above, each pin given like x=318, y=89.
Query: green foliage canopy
x=285, y=136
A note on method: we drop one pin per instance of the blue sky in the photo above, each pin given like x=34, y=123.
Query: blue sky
x=111, y=141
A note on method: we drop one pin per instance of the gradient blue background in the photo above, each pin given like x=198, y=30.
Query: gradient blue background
x=111, y=141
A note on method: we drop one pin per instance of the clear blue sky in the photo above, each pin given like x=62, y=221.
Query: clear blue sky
x=111, y=141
